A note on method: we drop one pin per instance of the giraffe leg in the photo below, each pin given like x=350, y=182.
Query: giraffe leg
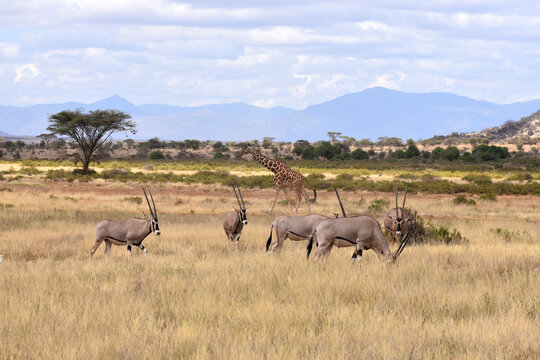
x=298, y=199
x=305, y=195
x=288, y=200
x=275, y=198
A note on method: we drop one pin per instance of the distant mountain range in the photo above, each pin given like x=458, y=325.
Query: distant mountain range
x=372, y=113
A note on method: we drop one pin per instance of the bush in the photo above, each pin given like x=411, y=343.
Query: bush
x=488, y=197
x=412, y=151
x=156, y=155
x=426, y=232
x=359, y=154
x=490, y=152
x=479, y=179
x=462, y=200
x=451, y=153
x=378, y=205
x=344, y=181
x=308, y=153
x=29, y=170
x=135, y=199
x=220, y=155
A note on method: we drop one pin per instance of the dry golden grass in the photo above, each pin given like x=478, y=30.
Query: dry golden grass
x=196, y=296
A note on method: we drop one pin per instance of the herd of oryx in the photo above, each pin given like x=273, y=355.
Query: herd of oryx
x=362, y=232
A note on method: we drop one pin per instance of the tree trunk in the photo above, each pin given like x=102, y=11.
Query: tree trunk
x=86, y=162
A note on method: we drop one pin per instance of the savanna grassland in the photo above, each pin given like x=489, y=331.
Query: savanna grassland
x=196, y=295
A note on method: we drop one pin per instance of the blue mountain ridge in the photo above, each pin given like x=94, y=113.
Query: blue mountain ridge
x=371, y=113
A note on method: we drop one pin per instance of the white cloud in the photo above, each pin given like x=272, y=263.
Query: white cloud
x=186, y=52
x=26, y=71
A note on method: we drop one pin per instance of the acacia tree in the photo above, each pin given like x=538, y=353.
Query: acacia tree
x=90, y=130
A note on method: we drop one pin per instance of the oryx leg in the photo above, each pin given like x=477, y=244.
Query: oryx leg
x=129, y=244
x=275, y=198
x=96, y=246
x=278, y=243
x=107, y=248
x=141, y=246
x=356, y=255
x=324, y=248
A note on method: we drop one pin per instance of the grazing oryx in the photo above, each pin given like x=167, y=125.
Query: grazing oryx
x=397, y=221
x=296, y=228
x=363, y=232
x=236, y=219
x=128, y=232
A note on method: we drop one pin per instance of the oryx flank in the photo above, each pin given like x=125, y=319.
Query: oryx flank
x=284, y=178
x=296, y=228
x=362, y=232
x=397, y=221
x=128, y=232
x=236, y=219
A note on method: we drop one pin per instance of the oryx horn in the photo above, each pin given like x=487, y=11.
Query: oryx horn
x=340, y=203
x=148, y=202
x=242, y=198
x=404, y=242
x=237, y=199
x=397, y=185
x=405, y=198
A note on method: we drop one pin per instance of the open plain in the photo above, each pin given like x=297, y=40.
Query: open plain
x=196, y=295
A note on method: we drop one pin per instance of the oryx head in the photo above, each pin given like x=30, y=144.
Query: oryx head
x=242, y=205
x=401, y=220
x=153, y=213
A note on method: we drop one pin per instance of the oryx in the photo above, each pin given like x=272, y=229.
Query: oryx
x=362, y=232
x=128, y=232
x=236, y=219
x=397, y=221
x=296, y=228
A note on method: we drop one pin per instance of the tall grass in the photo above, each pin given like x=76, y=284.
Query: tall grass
x=197, y=296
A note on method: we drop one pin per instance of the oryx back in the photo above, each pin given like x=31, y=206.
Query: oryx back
x=296, y=228
x=362, y=232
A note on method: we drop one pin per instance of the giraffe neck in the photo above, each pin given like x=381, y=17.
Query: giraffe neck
x=268, y=163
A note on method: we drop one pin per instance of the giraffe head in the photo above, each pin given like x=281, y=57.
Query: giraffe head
x=248, y=149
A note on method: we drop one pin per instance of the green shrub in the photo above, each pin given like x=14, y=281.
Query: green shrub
x=488, y=197
x=479, y=179
x=462, y=200
x=344, y=181
x=426, y=232
x=521, y=176
x=378, y=205
x=318, y=181
x=156, y=155
x=490, y=152
x=135, y=199
x=29, y=170
x=359, y=154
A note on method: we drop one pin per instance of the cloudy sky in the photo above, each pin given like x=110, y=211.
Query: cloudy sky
x=267, y=53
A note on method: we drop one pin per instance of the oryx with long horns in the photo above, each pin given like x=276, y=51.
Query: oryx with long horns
x=397, y=221
x=127, y=232
x=362, y=232
x=236, y=219
x=296, y=228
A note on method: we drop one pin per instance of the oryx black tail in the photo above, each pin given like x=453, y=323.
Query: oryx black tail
x=269, y=241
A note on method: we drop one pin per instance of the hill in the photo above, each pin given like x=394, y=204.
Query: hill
x=372, y=113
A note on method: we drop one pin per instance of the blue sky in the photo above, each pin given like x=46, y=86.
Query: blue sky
x=267, y=53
